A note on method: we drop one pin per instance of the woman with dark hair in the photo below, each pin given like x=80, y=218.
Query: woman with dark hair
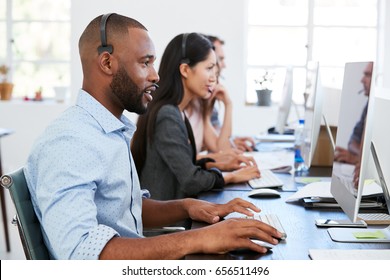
x=163, y=145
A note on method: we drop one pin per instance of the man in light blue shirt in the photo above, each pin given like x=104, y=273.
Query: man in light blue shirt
x=85, y=153
x=82, y=178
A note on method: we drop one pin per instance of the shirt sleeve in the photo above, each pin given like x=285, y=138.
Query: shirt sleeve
x=65, y=175
x=94, y=243
x=145, y=193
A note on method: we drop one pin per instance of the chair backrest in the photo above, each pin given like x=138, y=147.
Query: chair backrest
x=28, y=223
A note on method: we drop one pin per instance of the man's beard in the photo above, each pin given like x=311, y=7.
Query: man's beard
x=127, y=92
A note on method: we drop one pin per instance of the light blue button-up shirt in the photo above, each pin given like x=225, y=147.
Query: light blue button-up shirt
x=83, y=182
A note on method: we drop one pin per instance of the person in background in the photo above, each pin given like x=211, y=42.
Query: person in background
x=163, y=146
x=210, y=142
x=352, y=153
x=241, y=143
x=207, y=138
x=82, y=178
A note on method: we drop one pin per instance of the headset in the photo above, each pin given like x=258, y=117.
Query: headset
x=103, y=36
x=184, y=59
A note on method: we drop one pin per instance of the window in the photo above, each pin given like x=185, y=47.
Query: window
x=37, y=49
x=289, y=33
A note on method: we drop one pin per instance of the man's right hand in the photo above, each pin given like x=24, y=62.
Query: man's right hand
x=233, y=234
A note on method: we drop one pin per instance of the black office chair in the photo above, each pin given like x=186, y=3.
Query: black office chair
x=26, y=220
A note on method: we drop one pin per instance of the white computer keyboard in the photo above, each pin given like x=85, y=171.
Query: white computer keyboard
x=272, y=220
x=267, y=180
x=375, y=218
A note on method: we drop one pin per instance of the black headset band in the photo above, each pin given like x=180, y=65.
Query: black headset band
x=183, y=48
x=103, y=36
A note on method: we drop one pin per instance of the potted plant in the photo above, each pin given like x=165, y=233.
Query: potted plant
x=60, y=90
x=264, y=89
x=5, y=87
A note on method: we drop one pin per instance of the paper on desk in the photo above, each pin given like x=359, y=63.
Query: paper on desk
x=272, y=160
x=275, y=138
x=355, y=254
x=316, y=189
x=322, y=190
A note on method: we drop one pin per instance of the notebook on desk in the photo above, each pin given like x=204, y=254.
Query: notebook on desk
x=355, y=235
x=322, y=190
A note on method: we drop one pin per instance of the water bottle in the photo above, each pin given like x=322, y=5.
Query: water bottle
x=299, y=163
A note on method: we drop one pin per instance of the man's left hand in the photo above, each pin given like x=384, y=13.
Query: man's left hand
x=211, y=213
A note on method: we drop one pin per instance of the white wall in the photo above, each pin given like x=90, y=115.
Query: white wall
x=164, y=19
x=385, y=59
x=27, y=120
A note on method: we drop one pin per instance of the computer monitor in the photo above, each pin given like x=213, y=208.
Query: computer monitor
x=380, y=144
x=313, y=112
x=380, y=161
x=284, y=104
x=353, y=137
x=376, y=124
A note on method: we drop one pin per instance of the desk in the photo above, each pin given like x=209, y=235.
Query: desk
x=298, y=222
x=4, y=132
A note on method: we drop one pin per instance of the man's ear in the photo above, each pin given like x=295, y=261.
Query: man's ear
x=106, y=63
x=184, y=68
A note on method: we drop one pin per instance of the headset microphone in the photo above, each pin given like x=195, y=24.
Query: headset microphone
x=103, y=36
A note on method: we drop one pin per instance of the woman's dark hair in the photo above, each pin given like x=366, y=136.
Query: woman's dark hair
x=189, y=48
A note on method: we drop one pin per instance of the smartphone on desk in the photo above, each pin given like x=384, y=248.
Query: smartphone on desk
x=340, y=223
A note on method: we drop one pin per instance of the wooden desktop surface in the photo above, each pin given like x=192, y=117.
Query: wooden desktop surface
x=298, y=222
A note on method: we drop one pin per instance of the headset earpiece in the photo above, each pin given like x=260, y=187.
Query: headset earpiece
x=103, y=36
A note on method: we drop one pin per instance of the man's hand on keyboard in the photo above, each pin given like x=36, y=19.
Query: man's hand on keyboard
x=270, y=219
x=204, y=211
x=233, y=234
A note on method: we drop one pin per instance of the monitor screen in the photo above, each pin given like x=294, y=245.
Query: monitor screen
x=353, y=137
x=380, y=142
x=378, y=166
x=285, y=102
x=313, y=112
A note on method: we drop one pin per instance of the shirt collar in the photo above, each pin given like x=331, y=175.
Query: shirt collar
x=105, y=118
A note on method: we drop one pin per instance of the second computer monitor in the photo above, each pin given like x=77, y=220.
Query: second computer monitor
x=353, y=137
x=380, y=142
x=313, y=111
x=285, y=102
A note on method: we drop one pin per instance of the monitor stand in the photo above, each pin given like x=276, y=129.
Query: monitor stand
x=332, y=142
x=356, y=235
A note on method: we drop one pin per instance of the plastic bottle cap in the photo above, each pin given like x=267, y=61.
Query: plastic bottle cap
x=302, y=121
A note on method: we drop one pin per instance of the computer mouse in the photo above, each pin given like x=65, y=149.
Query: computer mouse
x=249, y=144
x=264, y=192
x=266, y=245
